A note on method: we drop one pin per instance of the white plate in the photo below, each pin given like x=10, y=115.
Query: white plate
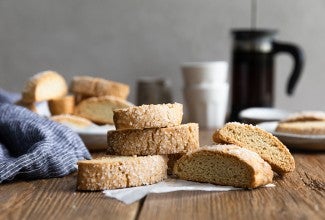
x=94, y=137
x=296, y=141
x=260, y=114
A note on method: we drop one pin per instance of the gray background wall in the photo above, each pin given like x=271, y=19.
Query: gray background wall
x=126, y=39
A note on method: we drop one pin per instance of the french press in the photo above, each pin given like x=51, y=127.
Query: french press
x=253, y=68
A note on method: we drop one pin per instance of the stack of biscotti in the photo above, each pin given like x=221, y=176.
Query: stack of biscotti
x=303, y=123
x=151, y=130
x=139, y=148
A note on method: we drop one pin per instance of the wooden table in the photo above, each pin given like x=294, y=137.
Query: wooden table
x=299, y=195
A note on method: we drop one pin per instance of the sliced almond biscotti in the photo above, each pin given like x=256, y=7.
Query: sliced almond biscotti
x=178, y=139
x=44, y=86
x=224, y=165
x=270, y=148
x=100, y=109
x=95, y=86
x=148, y=116
x=114, y=172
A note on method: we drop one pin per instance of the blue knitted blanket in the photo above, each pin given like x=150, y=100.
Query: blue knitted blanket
x=33, y=147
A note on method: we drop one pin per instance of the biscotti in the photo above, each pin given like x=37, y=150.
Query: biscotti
x=305, y=116
x=100, y=109
x=224, y=165
x=44, y=86
x=72, y=120
x=255, y=139
x=94, y=86
x=148, y=116
x=302, y=127
x=152, y=141
x=114, y=172
x=62, y=105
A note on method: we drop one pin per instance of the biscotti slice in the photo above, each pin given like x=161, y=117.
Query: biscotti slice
x=114, y=172
x=305, y=116
x=302, y=127
x=72, y=120
x=253, y=138
x=44, y=86
x=94, y=86
x=148, y=116
x=151, y=141
x=100, y=109
x=62, y=105
x=224, y=165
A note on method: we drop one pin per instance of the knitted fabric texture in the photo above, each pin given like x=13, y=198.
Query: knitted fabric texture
x=33, y=147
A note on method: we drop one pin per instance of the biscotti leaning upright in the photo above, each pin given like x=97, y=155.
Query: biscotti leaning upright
x=269, y=147
x=44, y=86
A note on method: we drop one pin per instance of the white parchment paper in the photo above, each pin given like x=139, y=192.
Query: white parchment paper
x=130, y=195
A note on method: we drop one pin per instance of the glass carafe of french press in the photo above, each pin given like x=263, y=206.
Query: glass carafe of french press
x=253, y=69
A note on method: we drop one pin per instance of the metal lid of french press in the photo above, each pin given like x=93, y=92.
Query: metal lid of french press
x=253, y=40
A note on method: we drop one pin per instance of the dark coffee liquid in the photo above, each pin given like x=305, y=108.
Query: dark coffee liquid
x=252, y=81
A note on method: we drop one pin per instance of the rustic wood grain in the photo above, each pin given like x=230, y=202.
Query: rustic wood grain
x=299, y=195
x=58, y=199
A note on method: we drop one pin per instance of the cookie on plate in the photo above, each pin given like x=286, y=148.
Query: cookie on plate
x=44, y=86
x=95, y=86
x=302, y=127
x=305, y=116
x=100, y=109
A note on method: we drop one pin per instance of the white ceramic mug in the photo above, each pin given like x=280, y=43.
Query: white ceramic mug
x=204, y=73
x=207, y=105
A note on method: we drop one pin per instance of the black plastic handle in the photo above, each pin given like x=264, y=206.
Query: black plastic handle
x=299, y=61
